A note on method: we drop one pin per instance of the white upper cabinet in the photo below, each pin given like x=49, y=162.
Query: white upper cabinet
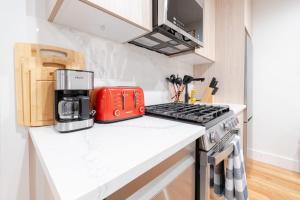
x=117, y=20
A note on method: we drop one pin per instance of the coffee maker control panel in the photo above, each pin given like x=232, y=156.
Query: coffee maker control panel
x=74, y=79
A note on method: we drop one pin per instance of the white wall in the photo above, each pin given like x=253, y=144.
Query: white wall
x=24, y=21
x=276, y=72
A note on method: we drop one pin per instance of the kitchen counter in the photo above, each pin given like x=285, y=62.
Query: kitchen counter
x=236, y=108
x=94, y=163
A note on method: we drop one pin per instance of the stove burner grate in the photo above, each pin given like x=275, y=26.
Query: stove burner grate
x=199, y=113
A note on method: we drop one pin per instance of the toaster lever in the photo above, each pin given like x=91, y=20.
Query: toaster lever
x=134, y=98
x=123, y=99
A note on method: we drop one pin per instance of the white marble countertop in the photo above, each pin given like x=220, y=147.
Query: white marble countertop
x=94, y=163
x=236, y=108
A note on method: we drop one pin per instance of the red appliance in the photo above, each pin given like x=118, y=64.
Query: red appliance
x=118, y=103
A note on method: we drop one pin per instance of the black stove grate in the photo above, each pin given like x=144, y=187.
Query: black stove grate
x=199, y=113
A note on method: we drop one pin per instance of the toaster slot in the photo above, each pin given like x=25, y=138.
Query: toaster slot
x=135, y=94
x=129, y=101
x=124, y=94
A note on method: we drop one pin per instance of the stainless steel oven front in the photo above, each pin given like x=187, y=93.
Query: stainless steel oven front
x=218, y=153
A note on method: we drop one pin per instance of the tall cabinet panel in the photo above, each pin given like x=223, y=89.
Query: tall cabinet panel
x=229, y=65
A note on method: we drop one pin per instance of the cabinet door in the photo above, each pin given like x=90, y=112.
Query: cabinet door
x=208, y=49
x=130, y=189
x=136, y=11
x=120, y=21
x=180, y=188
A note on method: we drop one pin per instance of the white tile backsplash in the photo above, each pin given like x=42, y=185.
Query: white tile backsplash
x=123, y=63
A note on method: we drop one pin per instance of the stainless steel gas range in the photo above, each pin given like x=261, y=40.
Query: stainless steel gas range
x=211, y=148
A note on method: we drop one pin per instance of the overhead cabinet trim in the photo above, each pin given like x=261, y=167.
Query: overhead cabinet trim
x=55, y=9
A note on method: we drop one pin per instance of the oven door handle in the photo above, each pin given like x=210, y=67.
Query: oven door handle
x=218, y=157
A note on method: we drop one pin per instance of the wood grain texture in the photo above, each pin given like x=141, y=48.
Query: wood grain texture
x=141, y=181
x=229, y=64
x=267, y=182
x=228, y=67
x=207, y=96
x=181, y=188
x=208, y=50
x=53, y=8
x=191, y=57
x=272, y=183
x=34, y=67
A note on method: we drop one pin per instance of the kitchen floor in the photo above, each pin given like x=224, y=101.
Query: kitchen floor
x=266, y=182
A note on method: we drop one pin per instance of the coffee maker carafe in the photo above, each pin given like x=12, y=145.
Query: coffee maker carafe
x=72, y=101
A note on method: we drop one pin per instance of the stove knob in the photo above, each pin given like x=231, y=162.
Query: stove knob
x=226, y=126
x=236, y=121
x=213, y=137
x=231, y=124
x=117, y=113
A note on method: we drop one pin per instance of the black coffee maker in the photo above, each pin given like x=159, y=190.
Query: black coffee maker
x=72, y=101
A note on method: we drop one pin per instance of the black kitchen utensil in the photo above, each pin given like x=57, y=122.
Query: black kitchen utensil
x=172, y=79
x=199, y=79
x=187, y=80
x=213, y=83
x=168, y=79
x=214, y=91
x=178, y=80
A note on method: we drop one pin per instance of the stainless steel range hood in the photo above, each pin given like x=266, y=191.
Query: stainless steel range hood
x=177, y=27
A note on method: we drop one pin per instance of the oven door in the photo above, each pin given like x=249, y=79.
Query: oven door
x=185, y=17
x=220, y=152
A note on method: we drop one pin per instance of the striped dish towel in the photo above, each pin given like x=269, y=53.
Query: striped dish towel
x=234, y=185
x=219, y=179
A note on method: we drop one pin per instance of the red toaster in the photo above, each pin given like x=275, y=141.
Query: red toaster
x=117, y=103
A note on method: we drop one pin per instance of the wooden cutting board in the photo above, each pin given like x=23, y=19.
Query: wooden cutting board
x=35, y=66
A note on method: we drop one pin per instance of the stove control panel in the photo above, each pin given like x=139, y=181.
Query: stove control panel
x=217, y=132
x=229, y=124
x=213, y=136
